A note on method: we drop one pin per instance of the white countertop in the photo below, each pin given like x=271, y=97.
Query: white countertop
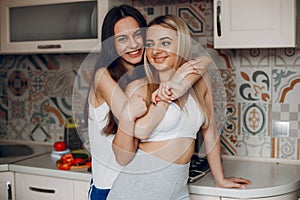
x=268, y=179
x=45, y=165
x=3, y=167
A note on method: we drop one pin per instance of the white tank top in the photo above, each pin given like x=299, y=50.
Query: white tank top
x=105, y=169
x=178, y=122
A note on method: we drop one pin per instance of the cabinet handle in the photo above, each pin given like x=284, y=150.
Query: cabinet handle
x=219, y=17
x=49, y=46
x=42, y=190
x=9, y=192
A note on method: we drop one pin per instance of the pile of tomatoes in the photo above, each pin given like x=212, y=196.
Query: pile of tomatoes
x=69, y=160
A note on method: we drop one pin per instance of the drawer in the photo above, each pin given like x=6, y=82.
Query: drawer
x=81, y=189
x=34, y=187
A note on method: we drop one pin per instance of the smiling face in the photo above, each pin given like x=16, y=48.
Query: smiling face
x=162, y=45
x=128, y=41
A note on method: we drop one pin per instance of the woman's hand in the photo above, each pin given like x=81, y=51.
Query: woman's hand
x=178, y=86
x=168, y=91
x=233, y=182
x=136, y=107
x=198, y=65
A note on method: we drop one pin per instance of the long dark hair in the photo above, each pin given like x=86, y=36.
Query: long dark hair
x=108, y=55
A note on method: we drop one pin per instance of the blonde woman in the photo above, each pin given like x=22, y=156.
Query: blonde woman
x=159, y=169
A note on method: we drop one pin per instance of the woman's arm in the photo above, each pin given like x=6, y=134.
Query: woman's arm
x=116, y=99
x=124, y=143
x=213, y=146
x=130, y=129
x=184, y=78
x=142, y=127
x=106, y=89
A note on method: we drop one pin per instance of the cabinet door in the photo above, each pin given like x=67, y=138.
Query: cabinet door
x=7, y=190
x=254, y=24
x=288, y=196
x=81, y=189
x=51, y=26
x=203, y=197
x=34, y=187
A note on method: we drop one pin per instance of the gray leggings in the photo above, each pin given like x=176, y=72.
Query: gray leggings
x=147, y=177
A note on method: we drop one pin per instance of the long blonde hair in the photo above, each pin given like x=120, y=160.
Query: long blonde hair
x=183, y=55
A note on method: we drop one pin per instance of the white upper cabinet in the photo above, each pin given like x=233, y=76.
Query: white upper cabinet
x=255, y=23
x=52, y=26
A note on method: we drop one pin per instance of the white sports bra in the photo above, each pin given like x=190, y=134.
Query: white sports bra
x=177, y=122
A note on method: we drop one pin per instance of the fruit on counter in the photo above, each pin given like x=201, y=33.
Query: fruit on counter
x=88, y=163
x=78, y=161
x=69, y=162
x=67, y=158
x=60, y=146
x=65, y=166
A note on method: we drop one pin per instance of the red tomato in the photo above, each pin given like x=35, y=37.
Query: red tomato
x=78, y=161
x=68, y=158
x=59, y=146
x=64, y=166
x=88, y=163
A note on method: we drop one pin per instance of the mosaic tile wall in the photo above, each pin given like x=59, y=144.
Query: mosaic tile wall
x=261, y=88
x=35, y=95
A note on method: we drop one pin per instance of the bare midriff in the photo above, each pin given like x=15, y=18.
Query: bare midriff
x=179, y=150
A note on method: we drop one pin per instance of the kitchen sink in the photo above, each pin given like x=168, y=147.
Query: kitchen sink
x=15, y=150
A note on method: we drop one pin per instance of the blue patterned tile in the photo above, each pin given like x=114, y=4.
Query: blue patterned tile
x=17, y=83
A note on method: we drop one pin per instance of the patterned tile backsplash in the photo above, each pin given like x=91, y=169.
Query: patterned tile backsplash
x=261, y=85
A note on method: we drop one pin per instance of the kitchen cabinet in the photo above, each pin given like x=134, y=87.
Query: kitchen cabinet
x=256, y=23
x=203, y=197
x=289, y=196
x=81, y=189
x=35, y=187
x=7, y=190
x=52, y=26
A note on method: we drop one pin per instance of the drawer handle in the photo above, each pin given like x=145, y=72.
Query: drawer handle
x=50, y=46
x=219, y=18
x=9, y=192
x=49, y=191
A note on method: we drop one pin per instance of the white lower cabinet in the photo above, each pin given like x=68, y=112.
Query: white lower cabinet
x=81, y=189
x=288, y=196
x=7, y=186
x=34, y=187
x=204, y=197
x=37, y=187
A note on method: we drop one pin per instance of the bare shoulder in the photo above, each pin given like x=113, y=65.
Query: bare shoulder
x=100, y=77
x=137, y=86
x=100, y=72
